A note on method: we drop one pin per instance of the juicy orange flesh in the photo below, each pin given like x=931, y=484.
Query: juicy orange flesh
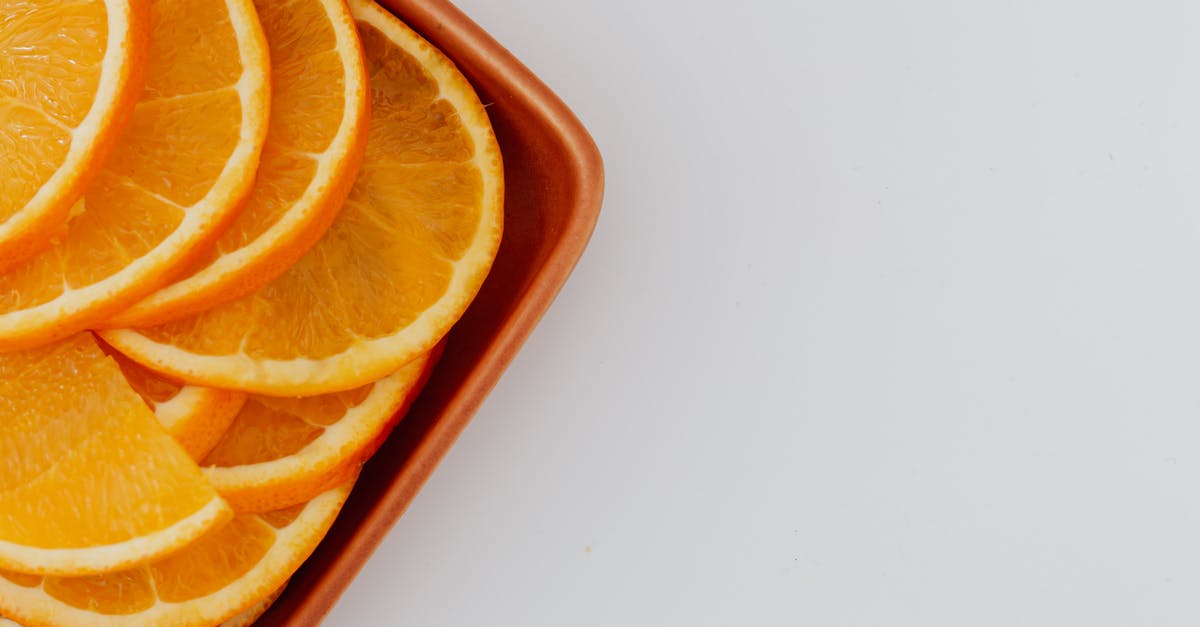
x=21, y=579
x=270, y=428
x=50, y=58
x=307, y=73
x=283, y=176
x=213, y=561
x=259, y=434
x=194, y=58
x=323, y=410
x=172, y=149
x=209, y=564
x=182, y=131
x=307, y=107
x=31, y=147
x=123, y=592
x=83, y=461
x=412, y=212
x=281, y=518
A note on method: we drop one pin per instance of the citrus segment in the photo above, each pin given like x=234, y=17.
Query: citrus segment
x=89, y=481
x=195, y=416
x=315, y=142
x=397, y=268
x=184, y=162
x=235, y=569
x=283, y=451
x=70, y=74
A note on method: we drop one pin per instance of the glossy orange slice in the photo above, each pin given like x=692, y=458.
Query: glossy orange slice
x=400, y=264
x=183, y=164
x=233, y=569
x=89, y=481
x=317, y=135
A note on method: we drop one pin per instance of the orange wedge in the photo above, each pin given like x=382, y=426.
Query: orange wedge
x=404, y=258
x=70, y=73
x=231, y=570
x=195, y=416
x=283, y=451
x=89, y=481
x=318, y=131
x=184, y=162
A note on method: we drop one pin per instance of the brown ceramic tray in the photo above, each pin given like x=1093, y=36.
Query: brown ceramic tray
x=553, y=180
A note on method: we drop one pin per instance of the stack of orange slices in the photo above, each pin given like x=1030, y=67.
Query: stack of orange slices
x=233, y=235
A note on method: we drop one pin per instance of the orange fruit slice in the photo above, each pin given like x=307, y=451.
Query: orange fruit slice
x=231, y=570
x=283, y=451
x=404, y=258
x=89, y=481
x=318, y=131
x=70, y=74
x=184, y=162
x=195, y=416
x=245, y=619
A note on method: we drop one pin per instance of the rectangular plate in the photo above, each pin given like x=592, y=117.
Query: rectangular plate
x=554, y=181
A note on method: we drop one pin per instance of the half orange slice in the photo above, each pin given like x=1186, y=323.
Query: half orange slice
x=231, y=570
x=397, y=269
x=89, y=481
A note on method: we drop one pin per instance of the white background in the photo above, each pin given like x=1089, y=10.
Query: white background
x=892, y=317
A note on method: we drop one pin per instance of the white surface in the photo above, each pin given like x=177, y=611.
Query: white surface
x=891, y=318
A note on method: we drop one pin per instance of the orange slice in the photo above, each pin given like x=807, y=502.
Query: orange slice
x=283, y=451
x=184, y=162
x=230, y=570
x=318, y=131
x=195, y=416
x=400, y=264
x=245, y=619
x=89, y=481
x=70, y=73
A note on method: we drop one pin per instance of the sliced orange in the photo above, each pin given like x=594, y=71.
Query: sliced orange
x=283, y=451
x=89, y=481
x=404, y=258
x=231, y=570
x=317, y=135
x=245, y=619
x=70, y=73
x=195, y=416
x=183, y=163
